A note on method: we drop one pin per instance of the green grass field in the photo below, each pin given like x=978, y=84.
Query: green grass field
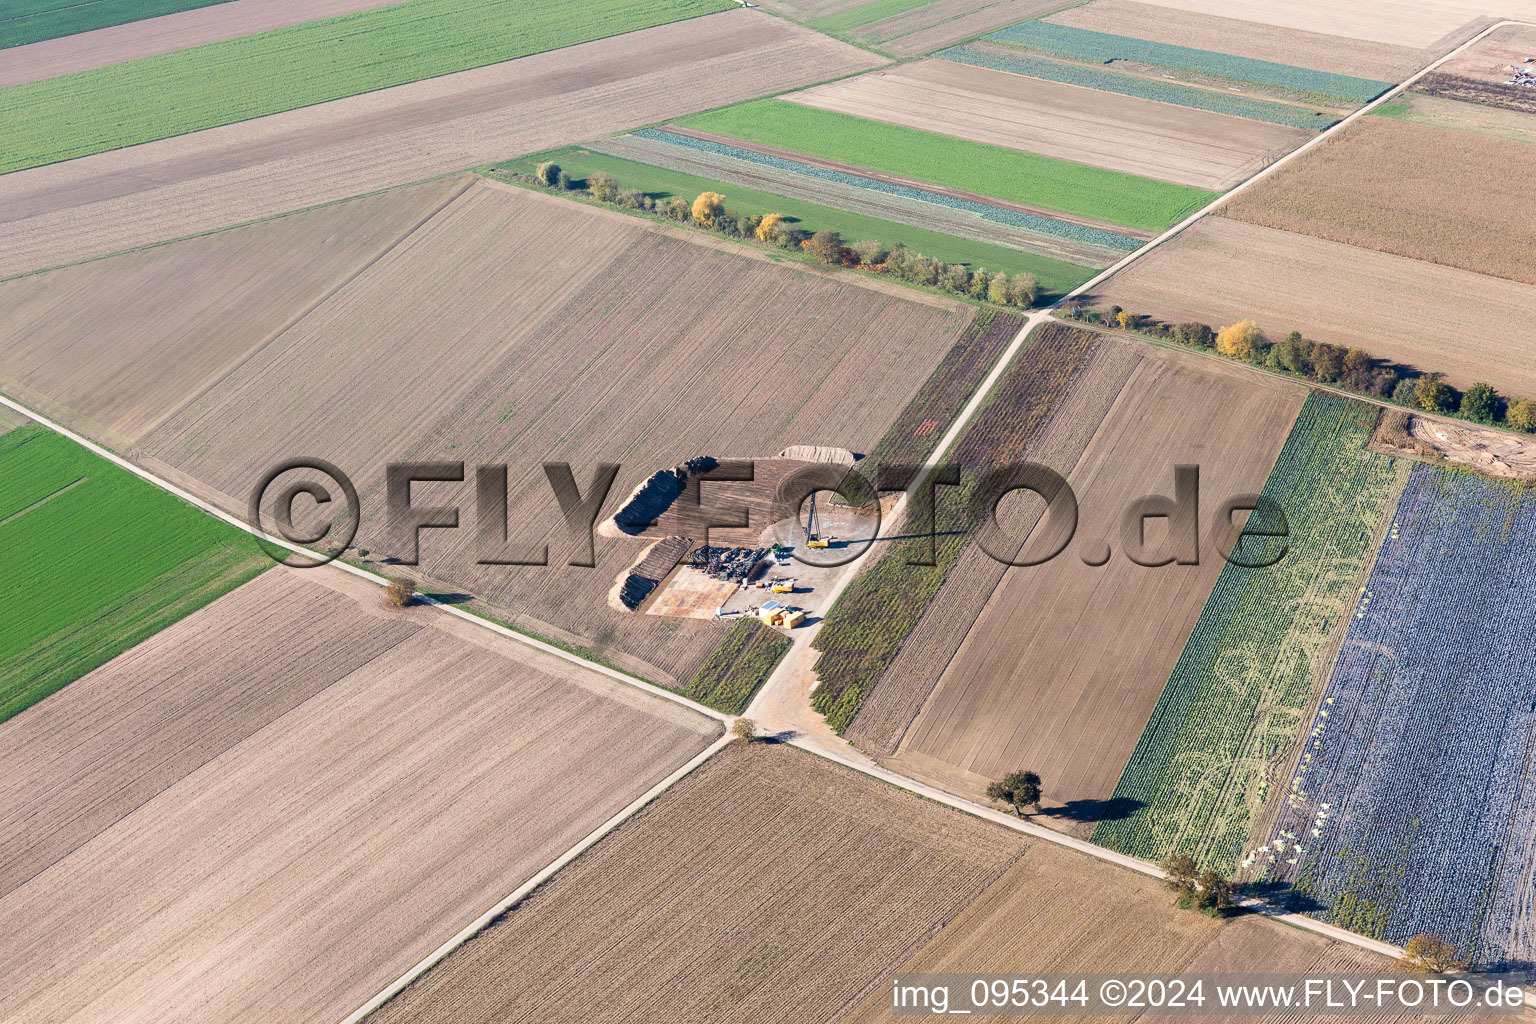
x=95, y=560
x=1055, y=277
x=31, y=21
x=837, y=24
x=237, y=79
x=1053, y=184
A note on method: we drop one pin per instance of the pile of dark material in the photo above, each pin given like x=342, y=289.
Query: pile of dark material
x=733, y=564
x=653, y=568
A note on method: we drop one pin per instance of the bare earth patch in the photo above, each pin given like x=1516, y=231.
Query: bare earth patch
x=1469, y=326
x=1494, y=453
x=1122, y=133
x=1463, y=200
x=273, y=808
x=1434, y=25
x=176, y=187
x=767, y=885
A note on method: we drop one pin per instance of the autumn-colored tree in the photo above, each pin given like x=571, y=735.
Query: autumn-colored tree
x=1182, y=874
x=955, y=278
x=744, y=729
x=1430, y=954
x=400, y=592
x=826, y=246
x=1243, y=340
x=1213, y=891
x=1357, y=362
x=707, y=207
x=548, y=174
x=1480, y=403
x=1434, y=394
x=602, y=186
x=1328, y=362
x=981, y=285
x=768, y=227
x=1126, y=320
x=997, y=290
x=1522, y=415
x=1023, y=290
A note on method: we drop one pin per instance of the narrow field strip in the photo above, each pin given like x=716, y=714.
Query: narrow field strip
x=41, y=501
x=239, y=79
x=930, y=157
x=30, y=21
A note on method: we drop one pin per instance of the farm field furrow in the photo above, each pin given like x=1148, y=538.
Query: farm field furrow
x=97, y=560
x=890, y=203
x=203, y=23
x=1433, y=25
x=1402, y=188
x=211, y=179
x=518, y=328
x=1469, y=326
x=767, y=877
x=1231, y=712
x=238, y=79
x=29, y=21
x=1122, y=133
x=290, y=873
x=1145, y=20
x=1063, y=185
x=112, y=347
x=1061, y=670
x=1412, y=808
x=1034, y=920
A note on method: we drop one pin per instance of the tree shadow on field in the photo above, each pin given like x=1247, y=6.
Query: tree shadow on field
x=1282, y=896
x=1093, y=811
x=451, y=598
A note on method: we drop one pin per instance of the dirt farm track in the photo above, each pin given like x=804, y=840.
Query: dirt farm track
x=160, y=190
x=271, y=809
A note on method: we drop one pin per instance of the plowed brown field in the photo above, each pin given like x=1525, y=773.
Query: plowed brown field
x=768, y=885
x=521, y=328
x=1470, y=326
x=163, y=34
x=270, y=810
x=946, y=22
x=1122, y=133
x=210, y=179
x=1456, y=198
x=1146, y=20
x=112, y=347
x=1060, y=671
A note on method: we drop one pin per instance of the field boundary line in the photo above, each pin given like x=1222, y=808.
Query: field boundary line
x=256, y=531
x=45, y=499
x=478, y=924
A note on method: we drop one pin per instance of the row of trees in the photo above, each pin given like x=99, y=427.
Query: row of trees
x=708, y=211
x=1351, y=368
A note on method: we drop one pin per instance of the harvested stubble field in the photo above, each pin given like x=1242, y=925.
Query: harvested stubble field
x=1123, y=133
x=113, y=347
x=1488, y=97
x=768, y=884
x=517, y=328
x=929, y=26
x=1213, y=753
x=207, y=180
x=1034, y=920
x=28, y=21
x=95, y=560
x=1412, y=808
x=1470, y=326
x=1444, y=109
x=239, y=79
x=1433, y=25
x=1147, y=20
x=1066, y=186
x=1413, y=190
x=223, y=19
x=1063, y=666
x=272, y=809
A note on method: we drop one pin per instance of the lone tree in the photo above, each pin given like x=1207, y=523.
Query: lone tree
x=707, y=207
x=548, y=174
x=1214, y=892
x=744, y=729
x=401, y=592
x=1018, y=789
x=1206, y=890
x=1430, y=954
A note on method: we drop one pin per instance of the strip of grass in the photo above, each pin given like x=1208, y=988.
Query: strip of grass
x=1056, y=277
x=839, y=23
x=1047, y=182
x=741, y=664
x=31, y=21
x=95, y=560
x=238, y=79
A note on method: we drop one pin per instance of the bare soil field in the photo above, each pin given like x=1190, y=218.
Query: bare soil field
x=1035, y=920
x=517, y=328
x=1492, y=60
x=809, y=10
x=1455, y=109
x=767, y=879
x=1123, y=133
x=1461, y=200
x=161, y=35
x=274, y=807
x=1146, y=20
x=1469, y=326
x=177, y=187
x=947, y=22
x=1494, y=453
x=1488, y=96
x=1433, y=25
x=112, y=347
x=1062, y=668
